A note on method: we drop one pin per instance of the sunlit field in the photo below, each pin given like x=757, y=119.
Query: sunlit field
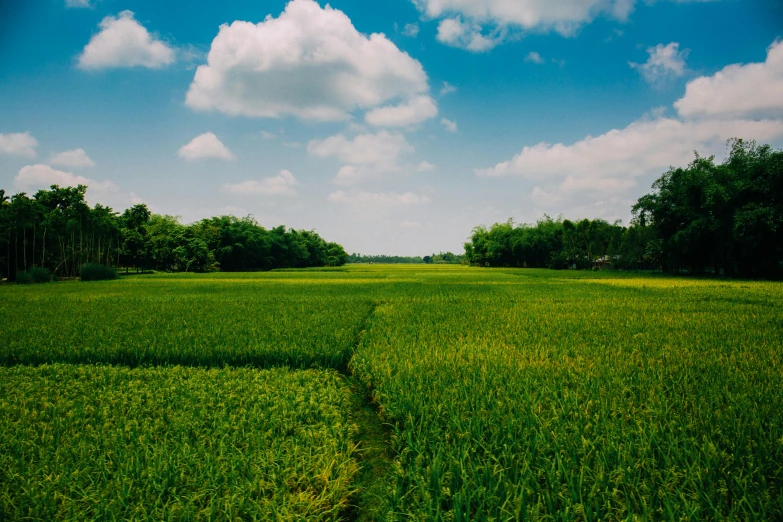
x=503, y=394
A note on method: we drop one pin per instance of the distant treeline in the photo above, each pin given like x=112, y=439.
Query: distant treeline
x=442, y=258
x=705, y=218
x=392, y=260
x=58, y=231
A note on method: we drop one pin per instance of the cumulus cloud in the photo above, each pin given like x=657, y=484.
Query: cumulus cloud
x=310, y=62
x=377, y=201
x=381, y=148
x=77, y=3
x=596, y=174
x=749, y=90
x=534, y=57
x=367, y=156
x=664, y=63
x=643, y=147
x=410, y=112
x=18, y=144
x=205, y=146
x=280, y=185
x=124, y=42
x=467, y=35
x=35, y=177
x=479, y=25
x=449, y=125
x=72, y=158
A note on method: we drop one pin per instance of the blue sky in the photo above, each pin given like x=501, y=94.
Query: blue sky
x=390, y=127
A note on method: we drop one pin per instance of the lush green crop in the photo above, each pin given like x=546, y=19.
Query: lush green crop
x=188, y=320
x=109, y=443
x=539, y=395
x=509, y=394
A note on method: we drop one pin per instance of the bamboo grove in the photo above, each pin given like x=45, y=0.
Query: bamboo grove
x=56, y=230
x=706, y=218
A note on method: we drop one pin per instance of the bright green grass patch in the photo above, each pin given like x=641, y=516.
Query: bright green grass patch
x=214, y=320
x=108, y=443
x=555, y=396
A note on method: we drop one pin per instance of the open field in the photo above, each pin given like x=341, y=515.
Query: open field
x=505, y=394
x=112, y=443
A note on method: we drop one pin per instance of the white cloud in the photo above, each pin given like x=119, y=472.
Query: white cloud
x=124, y=42
x=534, y=57
x=665, y=62
x=367, y=156
x=467, y=35
x=449, y=125
x=412, y=225
x=280, y=185
x=309, y=62
x=382, y=148
x=34, y=177
x=352, y=175
x=447, y=89
x=644, y=147
x=410, y=112
x=377, y=201
x=750, y=90
x=18, y=144
x=77, y=3
x=72, y=158
x=479, y=25
x=411, y=30
x=562, y=16
x=205, y=146
x=265, y=135
x=597, y=175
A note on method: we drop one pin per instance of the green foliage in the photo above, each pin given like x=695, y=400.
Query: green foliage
x=261, y=320
x=104, y=443
x=96, y=272
x=720, y=218
x=35, y=274
x=534, y=395
x=444, y=258
x=705, y=218
x=56, y=229
x=384, y=259
x=550, y=243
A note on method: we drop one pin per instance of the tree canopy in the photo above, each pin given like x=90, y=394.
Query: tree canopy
x=704, y=218
x=56, y=229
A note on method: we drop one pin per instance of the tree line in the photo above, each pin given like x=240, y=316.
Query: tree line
x=441, y=258
x=384, y=259
x=58, y=231
x=724, y=219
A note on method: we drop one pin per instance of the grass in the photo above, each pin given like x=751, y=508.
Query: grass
x=558, y=396
x=192, y=321
x=505, y=394
x=108, y=443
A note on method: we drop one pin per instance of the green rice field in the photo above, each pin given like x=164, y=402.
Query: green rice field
x=374, y=392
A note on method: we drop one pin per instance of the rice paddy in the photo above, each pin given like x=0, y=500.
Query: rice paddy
x=500, y=394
